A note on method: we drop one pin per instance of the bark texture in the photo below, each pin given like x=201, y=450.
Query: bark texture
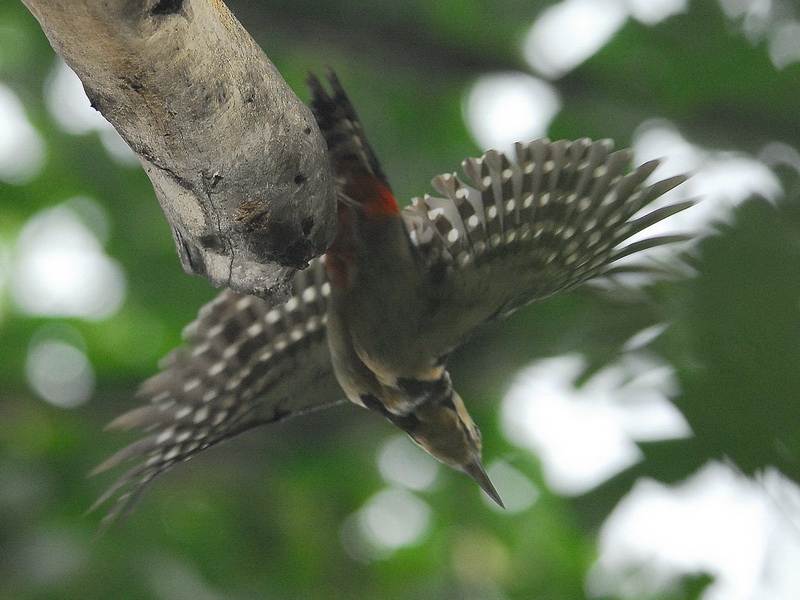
x=235, y=157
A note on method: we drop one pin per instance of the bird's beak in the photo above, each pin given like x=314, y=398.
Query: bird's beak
x=475, y=470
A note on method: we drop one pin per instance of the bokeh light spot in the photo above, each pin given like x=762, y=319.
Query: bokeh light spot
x=61, y=270
x=479, y=558
x=72, y=110
x=584, y=435
x=721, y=179
x=59, y=373
x=395, y=518
x=515, y=488
x=503, y=108
x=402, y=463
x=651, y=12
x=784, y=44
x=739, y=531
x=568, y=33
x=391, y=519
x=22, y=150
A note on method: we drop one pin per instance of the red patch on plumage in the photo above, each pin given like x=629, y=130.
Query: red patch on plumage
x=379, y=206
x=375, y=197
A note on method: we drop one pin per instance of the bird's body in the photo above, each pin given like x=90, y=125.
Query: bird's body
x=372, y=274
x=375, y=270
x=398, y=290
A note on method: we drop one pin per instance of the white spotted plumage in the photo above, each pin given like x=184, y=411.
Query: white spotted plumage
x=516, y=231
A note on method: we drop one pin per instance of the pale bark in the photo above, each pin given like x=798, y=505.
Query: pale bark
x=234, y=156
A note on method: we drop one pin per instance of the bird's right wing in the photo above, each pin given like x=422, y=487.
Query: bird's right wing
x=245, y=363
x=557, y=217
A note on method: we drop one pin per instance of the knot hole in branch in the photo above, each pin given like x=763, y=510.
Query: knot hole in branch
x=166, y=7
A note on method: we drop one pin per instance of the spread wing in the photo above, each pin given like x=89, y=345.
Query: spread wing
x=557, y=217
x=245, y=363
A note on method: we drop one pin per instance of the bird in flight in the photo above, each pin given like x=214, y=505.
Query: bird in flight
x=374, y=320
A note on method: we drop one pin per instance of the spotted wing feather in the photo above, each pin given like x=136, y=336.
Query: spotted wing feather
x=523, y=231
x=245, y=363
x=557, y=217
x=349, y=150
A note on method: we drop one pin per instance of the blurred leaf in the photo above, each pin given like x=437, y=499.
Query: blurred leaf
x=741, y=388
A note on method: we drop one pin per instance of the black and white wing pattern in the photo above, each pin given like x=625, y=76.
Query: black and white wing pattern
x=244, y=363
x=350, y=152
x=557, y=217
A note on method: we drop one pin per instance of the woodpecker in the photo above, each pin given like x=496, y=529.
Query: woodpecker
x=374, y=320
x=374, y=269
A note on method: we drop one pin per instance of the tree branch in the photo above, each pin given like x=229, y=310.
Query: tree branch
x=235, y=157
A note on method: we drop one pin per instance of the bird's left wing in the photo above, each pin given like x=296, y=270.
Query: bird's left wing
x=245, y=363
x=558, y=216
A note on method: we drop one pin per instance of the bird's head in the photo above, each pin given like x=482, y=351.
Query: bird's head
x=447, y=432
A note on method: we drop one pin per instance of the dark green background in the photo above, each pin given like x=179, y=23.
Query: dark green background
x=261, y=517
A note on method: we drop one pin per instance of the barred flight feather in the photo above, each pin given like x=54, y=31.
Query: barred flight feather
x=245, y=363
x=556, y=217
